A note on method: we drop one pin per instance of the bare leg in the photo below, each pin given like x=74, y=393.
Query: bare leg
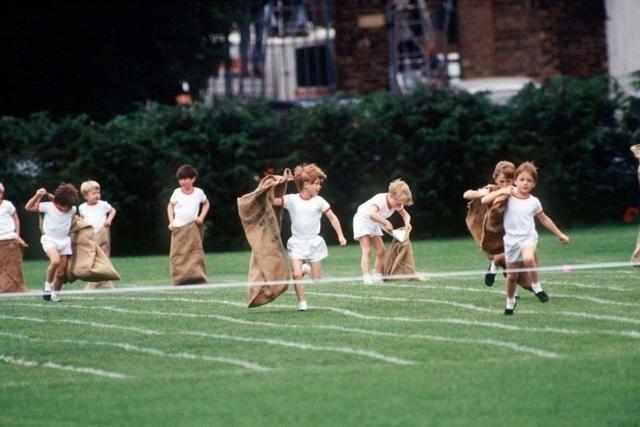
x=378, y=244
x=296, y=266
x=365, y=247
x=54, y=262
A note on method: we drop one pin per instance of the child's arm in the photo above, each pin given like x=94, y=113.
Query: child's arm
x=489, y=198
x=277, y=201
x=405, y=217
x=34, y=202
x=203, y=212
x=475, y=194
x=374, y=215
x=335, y=223
x=110, y=215
x=170, y=215
x=551, y=226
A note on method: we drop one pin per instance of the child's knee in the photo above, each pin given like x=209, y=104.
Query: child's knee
x=380, y=252
x=529, y=260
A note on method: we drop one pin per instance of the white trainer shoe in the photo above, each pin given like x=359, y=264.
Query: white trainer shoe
x=46, y=292
x=376, y=277
x=302, y=306
x=55, y=296
x=305, y=269
x=366, y=279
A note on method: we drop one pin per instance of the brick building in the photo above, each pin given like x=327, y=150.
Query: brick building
x=533, y=38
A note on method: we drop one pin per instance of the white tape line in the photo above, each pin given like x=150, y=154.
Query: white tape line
x=332, y=280
x=82, y=323
x=52, y=365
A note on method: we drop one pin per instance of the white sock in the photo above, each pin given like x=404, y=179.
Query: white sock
x=511, y=302
x=536, y=287
x=492, y=268
x=48, y=286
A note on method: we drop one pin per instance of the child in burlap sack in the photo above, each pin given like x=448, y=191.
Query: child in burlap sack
x=55, y=240
x=187, y=210
x=305, y=210
x=11, y=247
x=521, y=238
x=99, y=214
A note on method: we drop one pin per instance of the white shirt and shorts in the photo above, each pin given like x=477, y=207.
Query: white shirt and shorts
x=95, y=214
x=56, y=226
x=7, y=225
x=519, y=226
x=186, y=207
x=363, y=225
x=305, y=242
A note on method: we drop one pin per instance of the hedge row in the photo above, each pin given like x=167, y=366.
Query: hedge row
x=439, y=141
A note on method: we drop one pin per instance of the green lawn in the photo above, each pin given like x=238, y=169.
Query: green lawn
x=438, y=352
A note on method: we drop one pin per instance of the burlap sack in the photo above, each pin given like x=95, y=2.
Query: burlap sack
x=88, y=261
x=103, y=239
x=187, y=255
x=262, y=223
x=635, y=256
x=11, y=276
x=492, y=227
x=476, y=213
x=399, y=259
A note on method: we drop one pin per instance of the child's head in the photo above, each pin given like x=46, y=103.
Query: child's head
x=399, y=190
x=504, y=173
x=66, y=195
x=90, y=191
x=186, y=171
x=308, y=173
x=530, y=168
x=1, y=191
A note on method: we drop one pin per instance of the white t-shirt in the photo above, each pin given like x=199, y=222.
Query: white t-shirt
x=186, y=206
x=380, y=201
x=95, y=214
x=7, y=226
x=519, y=215
x=305, y=214
x=56, y=223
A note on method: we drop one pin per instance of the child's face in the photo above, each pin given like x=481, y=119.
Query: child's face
x=312, y=188
x=93, y=196
x=503, y=181
x=394, y=202
x=186, y=184
x=525, y=183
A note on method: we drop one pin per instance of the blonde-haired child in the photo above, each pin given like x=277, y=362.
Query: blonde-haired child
x=305, y=210
x=99, y=214
x=521, y=238
x=373, y=214
x=55, y=240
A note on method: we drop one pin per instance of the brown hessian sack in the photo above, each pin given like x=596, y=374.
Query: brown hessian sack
x=88, y=261
x=262, y=223
x=187, y=255
x=11, y=276
x=399, y=259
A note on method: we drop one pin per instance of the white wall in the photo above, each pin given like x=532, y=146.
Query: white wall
x=623, y=39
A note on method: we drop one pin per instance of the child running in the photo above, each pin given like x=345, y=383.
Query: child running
x=99, y=214
x=55, y=240
x=521, y=238
x=373, y=214
x=305, y=210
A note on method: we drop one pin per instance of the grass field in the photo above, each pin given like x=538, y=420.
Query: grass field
x=438, y=352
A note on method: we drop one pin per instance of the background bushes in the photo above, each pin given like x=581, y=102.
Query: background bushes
x=439, y=141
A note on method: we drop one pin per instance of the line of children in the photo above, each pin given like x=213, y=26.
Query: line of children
x=521, y=238
x=305, y=210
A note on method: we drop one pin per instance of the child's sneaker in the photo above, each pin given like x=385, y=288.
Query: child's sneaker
x=46, y=292
x=509, y=311
x=542, y=296
x=302, y=306
x=366, y=279
x=55, y=296
x=376, y=278
x=490, y=276
x=305, y=269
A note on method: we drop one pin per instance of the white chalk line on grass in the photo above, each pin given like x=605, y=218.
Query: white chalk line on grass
x=512, y=345
x=588, y=286
x=328, y=280
x=149, y=350
x=83, y=370
x=81, y=322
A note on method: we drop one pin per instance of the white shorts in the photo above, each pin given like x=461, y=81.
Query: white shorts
x=62, y=244
x=310, y=249
x=513, y=245
x=365, y=227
